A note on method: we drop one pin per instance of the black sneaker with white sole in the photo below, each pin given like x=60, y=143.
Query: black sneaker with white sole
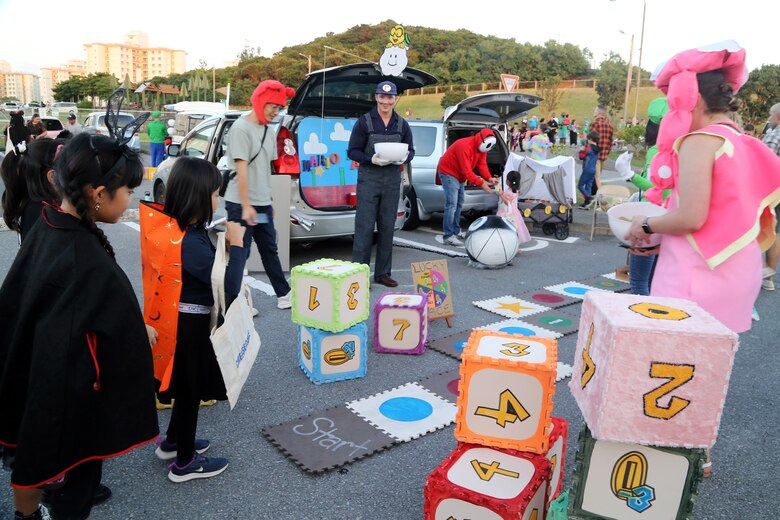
x=198, y=467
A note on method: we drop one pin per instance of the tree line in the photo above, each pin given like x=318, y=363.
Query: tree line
x=453, y=57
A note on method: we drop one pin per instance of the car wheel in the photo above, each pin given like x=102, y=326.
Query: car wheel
x=411, y=216
x=159, y=192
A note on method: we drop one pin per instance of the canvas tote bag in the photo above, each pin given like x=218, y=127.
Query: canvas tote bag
x=236, y=342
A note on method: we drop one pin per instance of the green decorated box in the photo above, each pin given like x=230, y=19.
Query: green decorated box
x=330, y=294
x=622, y=481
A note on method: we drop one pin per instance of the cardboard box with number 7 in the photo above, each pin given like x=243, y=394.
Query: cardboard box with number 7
x=401, y=323
x=651, y=370
x=507, y=383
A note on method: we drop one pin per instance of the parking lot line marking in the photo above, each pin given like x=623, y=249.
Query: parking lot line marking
x=569, y=240
x=133, y=225
x=260, y=285
x=425, y=247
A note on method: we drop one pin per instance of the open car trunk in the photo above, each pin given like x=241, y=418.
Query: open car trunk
x=323, y=112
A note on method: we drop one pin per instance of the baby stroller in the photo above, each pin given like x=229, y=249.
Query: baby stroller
x=547, y=192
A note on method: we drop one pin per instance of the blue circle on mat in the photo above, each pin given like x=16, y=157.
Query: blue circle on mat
x=576, y=290
x=518, y=330
x=406, y=409
x=460, y=345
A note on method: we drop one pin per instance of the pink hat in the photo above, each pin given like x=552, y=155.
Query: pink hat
x=677, y=79
x=269, y=91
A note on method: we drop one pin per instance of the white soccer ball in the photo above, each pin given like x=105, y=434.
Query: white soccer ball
x=492, y=241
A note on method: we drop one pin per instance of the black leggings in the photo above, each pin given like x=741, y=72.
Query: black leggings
x=73, y=501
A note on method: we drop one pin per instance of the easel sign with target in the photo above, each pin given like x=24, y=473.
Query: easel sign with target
x=432, y=279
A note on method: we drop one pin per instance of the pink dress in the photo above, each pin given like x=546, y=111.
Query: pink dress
x=512, y=214
x=728, y=284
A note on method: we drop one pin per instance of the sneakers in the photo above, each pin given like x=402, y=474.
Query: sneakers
x=284, y=302
x=461, y=236
x=167, y=450
x=41, y=514
x=768, y=282
x=255, y=312
x=754, y=314
x=453, y=241
x=199, y=467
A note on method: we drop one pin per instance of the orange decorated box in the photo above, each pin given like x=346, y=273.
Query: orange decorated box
x=506, y=389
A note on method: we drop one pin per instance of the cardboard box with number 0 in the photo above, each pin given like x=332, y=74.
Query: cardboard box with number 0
x=651, y=370
x=506, y=389
x=329, y=294
x=617, y=480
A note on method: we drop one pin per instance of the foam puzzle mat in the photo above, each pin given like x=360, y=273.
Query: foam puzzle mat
x=329, y=439
x=511, y=306
x=337, y=436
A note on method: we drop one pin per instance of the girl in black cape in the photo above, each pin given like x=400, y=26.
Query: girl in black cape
x=75, y=364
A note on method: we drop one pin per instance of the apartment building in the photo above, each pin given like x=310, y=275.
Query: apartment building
x=20, y=85
x=51, y=76
x=134, y=58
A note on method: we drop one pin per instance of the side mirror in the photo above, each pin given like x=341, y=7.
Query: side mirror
x=173, y=150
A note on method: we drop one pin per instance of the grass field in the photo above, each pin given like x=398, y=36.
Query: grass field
x=578, y=103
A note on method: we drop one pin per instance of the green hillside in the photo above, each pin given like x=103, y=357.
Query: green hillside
x=578, y=102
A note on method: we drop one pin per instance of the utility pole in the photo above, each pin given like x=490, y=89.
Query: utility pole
x=308, y=57
x=639, y=66
x=628, y=77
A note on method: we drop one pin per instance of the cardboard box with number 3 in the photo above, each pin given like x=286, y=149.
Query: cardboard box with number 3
x=489, y=484
x=507, y=383
x=329, y=294
x=651, y=370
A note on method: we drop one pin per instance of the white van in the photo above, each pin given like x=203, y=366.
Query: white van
x=63, y=107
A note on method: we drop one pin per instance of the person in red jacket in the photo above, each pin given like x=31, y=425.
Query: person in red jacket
x=456, y=167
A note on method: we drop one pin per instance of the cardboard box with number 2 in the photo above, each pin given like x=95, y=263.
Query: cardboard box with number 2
x=651, y=370
x=507, y=383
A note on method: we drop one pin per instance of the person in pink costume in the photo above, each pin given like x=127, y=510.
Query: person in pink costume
x=507, y=208
x=724, y=188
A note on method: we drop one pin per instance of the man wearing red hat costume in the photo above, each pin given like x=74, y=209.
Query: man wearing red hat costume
x=456, y=167
x=248, y=194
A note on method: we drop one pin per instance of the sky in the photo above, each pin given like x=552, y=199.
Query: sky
x=216, y=32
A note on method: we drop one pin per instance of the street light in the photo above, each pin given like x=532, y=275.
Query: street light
x=628, y=76
x=308, y=57
x=639, y=65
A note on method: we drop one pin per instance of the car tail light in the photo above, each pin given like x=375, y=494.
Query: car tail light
x=287, y=162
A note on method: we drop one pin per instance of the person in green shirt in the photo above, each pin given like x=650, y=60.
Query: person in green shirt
x=158, y=131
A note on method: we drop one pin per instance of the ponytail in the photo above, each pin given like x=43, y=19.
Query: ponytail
x=25, y=175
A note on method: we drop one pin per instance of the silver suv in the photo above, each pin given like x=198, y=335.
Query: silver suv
x=316, y=129
x=431, y=139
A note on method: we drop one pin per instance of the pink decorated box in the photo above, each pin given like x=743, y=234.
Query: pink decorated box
x=651, y=370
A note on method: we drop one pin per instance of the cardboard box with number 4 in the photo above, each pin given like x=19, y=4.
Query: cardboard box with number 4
x=507, y=383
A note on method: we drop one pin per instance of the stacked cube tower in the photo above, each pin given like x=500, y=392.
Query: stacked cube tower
x=510, y=456
x=650, y=377
x=330, y=304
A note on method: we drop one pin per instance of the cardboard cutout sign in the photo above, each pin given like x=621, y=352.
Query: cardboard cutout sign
x=161, y=240
x=394, y=60
x=432, y=279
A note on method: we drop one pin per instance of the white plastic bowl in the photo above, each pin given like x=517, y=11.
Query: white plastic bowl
x=629, y=210
x=391, y=151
